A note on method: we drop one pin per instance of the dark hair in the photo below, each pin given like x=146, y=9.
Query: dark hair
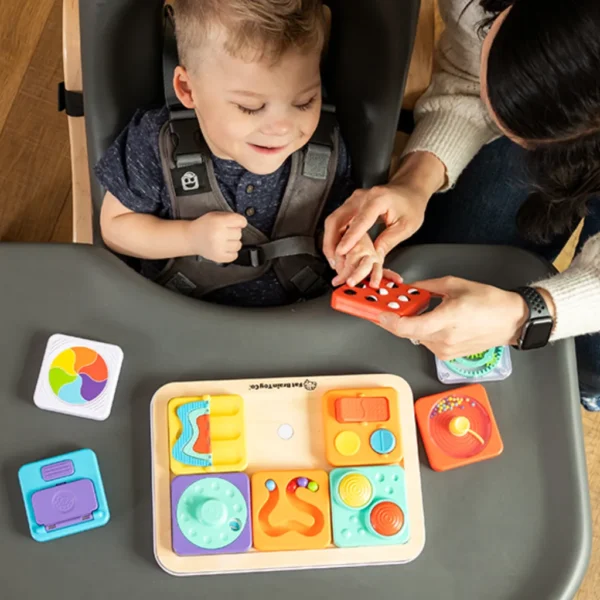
x=543, y=84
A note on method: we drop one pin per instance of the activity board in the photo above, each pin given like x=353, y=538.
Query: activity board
x=78, y=377
x=368, y=303
x=276, y=474
x=63, y=495
x=493, y=365
x=458, y=427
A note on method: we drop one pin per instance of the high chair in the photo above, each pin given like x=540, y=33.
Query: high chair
x=517, y=526
x=364, y=72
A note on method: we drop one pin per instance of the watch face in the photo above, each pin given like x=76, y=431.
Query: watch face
x=537, y=333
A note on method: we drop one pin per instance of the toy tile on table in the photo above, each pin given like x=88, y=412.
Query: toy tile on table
x=211, y=514
x=362, y=427
x=78, y=377
x=492, y=365
x=458, y=427
x=368, y=303
x=290, y=510
x=63, y=495
x=207, y=434
x=368, y=506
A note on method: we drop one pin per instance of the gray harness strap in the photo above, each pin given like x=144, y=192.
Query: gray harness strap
x=302, y=206
x=194, y=192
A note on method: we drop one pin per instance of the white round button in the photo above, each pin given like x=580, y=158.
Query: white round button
x=285, y=431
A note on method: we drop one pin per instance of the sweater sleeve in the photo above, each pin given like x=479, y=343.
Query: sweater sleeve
x=576, y=293
x=451, y=120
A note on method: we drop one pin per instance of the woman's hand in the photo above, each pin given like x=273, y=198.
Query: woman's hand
x=400, y=205
x=472, y=318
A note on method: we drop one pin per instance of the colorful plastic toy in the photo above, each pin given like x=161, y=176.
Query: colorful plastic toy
x=362, y=427
x=207, y=434
x=63, y=495
x=458, y=427
x=290, y=510
x=211, y=514
x=207, y=523
x=78, y=377
x=368, y=506
x=492, y=365
x=368, y=303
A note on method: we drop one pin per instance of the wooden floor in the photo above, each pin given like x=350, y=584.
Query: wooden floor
x=35, y=179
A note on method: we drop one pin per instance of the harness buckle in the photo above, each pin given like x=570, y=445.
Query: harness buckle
x=256, y=256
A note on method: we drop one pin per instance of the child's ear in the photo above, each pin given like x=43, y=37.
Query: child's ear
x=182, y=86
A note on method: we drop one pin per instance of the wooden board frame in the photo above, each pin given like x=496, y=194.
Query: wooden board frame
x=268, y=404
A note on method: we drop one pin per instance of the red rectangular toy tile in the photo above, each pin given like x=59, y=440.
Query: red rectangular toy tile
x=368, y=303
x=458, y=427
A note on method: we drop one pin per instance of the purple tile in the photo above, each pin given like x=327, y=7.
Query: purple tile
x=211, y=513
x=64, y=504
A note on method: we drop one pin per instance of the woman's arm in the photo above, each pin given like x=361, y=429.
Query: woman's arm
x=575, y=294
x=452, y=125
x=451, y=120
x=474, y=317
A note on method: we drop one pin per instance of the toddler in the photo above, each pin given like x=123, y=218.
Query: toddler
x=238, y=220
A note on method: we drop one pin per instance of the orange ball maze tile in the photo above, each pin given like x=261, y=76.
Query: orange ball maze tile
x=458, y=427
x=362, y=427
x=291, y=510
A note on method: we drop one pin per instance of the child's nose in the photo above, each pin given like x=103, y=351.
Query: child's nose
x=280, y=127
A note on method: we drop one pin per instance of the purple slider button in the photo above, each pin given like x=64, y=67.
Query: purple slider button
x=58, y=470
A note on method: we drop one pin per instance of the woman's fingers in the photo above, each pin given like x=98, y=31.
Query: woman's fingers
x=335, y=225
x=422, y=328
x=390, y=237
x=359, y=227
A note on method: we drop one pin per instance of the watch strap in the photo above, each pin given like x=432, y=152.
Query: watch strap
x=538, y=311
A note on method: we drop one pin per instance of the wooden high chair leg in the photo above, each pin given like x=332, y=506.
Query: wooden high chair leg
x=82, y=197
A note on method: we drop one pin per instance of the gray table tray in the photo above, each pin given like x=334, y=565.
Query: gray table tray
x=514, y=527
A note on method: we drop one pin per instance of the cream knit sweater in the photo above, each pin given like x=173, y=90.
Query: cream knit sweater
x=453, y=123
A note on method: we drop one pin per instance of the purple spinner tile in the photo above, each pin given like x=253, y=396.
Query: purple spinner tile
x=65, y=504
x=210, y=514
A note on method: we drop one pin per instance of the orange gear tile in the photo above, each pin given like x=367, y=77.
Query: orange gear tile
x=458, y=427
x=291, y=510
x=362, y=427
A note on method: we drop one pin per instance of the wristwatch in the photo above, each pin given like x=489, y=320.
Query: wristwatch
x=538, y=327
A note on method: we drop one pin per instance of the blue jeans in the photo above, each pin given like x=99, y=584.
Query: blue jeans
x=482, y=209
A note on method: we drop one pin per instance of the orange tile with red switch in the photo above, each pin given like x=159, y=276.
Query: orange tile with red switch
x=362, y=427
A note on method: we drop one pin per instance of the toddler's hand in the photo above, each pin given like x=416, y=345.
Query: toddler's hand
x=217, y=236
x=357, y=264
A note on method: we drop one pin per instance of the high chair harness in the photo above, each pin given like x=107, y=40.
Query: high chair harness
x=291, y=250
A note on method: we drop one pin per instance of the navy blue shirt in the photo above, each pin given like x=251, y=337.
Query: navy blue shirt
x=131, y=170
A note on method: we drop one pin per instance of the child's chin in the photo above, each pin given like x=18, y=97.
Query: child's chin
x=264, y=165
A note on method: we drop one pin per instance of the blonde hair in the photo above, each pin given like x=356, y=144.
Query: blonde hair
x=258, y=29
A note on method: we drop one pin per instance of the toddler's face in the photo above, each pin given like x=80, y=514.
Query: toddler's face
x=256, y=113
